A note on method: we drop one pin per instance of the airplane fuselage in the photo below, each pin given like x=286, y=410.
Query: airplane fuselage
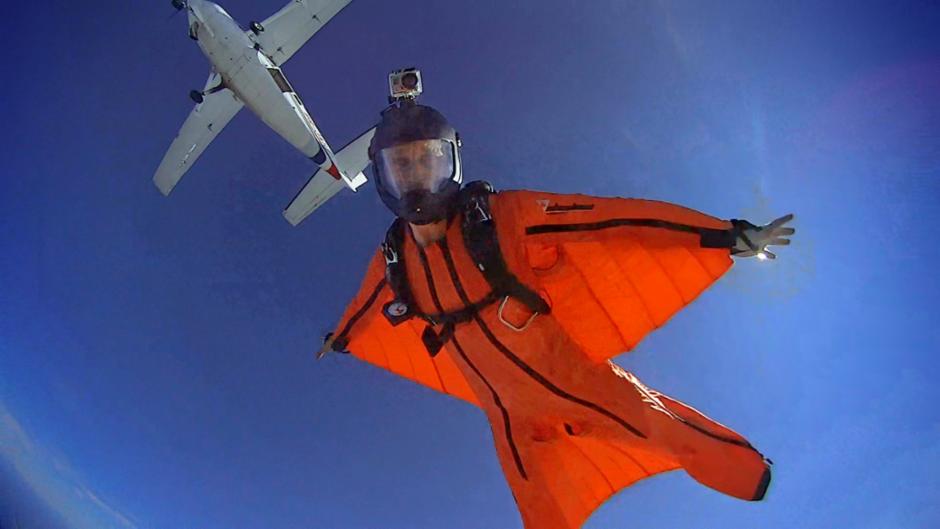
x=250, y=74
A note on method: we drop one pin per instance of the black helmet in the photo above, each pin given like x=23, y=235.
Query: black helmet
x=416, y=161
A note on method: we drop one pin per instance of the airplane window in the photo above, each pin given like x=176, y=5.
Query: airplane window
x=280, y=80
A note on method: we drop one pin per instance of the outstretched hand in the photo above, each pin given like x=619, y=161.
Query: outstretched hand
x=753, y=240
x=327, y=345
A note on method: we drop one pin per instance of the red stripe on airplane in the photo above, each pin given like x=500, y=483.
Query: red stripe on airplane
x=334, y=172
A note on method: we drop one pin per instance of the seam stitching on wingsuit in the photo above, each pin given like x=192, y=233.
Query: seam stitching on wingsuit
x=507, y=423
x=430, y=279
x=548, y=384
x=535, y=375
x=619, y=222
x=699, y=263
x=355, y=319
x=665, y=272
x=388, y=359
x=593, y=294
x=655, y=395
x=717, y=437
x=647, y=392
x=433, y=363
x=414, y=372
x=613, y=223
x=639, y=296
x=679, y=403
x=702, y=430
x=593, y=464
x=362, y=310
x=418, y=336
x=433, y=360
x=499, y=403
x=643, y=469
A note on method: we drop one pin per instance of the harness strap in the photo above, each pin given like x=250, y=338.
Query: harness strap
x=435, y=341
x=480, y=238
x=402, y=307
x=482, y=242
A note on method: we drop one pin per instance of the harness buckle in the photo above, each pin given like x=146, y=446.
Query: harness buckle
x=391, y=256
x=499, y=314
x=480, y=210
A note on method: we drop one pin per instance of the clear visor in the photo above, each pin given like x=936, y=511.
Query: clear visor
x=417, y=165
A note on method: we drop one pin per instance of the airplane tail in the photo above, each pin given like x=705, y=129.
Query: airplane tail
x=332, y=177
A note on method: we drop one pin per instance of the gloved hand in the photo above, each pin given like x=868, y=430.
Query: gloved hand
x=327, y=345
x=330, y=345
x=753, y=240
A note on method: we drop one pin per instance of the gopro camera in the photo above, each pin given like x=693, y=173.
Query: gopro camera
x=404, y=84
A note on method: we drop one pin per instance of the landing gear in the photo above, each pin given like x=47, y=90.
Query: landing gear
x=196, y=96
x=255, y=27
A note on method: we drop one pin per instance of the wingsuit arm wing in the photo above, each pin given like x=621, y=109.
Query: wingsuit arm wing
x=367, y=334
x=614, y=269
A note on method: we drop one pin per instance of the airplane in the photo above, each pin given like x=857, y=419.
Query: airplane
x=246, y=71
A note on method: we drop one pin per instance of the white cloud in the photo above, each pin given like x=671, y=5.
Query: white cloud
x=54, y=482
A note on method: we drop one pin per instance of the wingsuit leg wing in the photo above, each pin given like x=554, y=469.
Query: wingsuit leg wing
x=575, y=460
x=711, y=453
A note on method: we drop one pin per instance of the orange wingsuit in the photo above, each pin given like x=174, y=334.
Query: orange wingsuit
x=570, y=427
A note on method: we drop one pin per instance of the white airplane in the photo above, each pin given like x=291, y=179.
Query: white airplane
x=246, y=72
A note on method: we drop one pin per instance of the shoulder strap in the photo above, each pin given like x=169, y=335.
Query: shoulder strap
x=402, y=307
x=480, y=238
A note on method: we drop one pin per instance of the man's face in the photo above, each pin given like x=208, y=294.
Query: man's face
x=417, y=165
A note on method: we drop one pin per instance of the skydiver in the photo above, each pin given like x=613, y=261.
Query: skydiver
x=517, y=300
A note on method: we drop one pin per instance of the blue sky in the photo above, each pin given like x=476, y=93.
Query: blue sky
x=156, y=354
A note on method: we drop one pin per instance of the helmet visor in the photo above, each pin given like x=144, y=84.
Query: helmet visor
x=422, y=165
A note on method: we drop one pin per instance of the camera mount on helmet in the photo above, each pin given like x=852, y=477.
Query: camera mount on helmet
x=404, y=85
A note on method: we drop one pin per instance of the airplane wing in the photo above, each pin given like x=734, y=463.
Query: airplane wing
x=200, y=128
x=288, y=29
x=353, y=158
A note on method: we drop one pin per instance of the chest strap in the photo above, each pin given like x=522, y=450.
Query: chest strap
x=479, y=235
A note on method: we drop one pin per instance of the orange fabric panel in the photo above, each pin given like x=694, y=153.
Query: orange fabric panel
x=608, y=283
x=398, y=349
x=609, y=286
x=581, y=314
x=531, y=207
x=454, y=381
x=586, y=485
x=699, y=419
x=684, y=269
x=660, y=295
x=581, y=490
x=423, y=365
x=576, y=475
x=618, y=469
